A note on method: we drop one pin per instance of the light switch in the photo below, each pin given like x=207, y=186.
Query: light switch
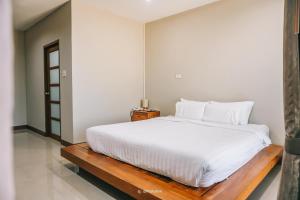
x=64, y=73
x=178, y=76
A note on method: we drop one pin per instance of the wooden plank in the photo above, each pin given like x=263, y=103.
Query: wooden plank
x=83, y=145
x=127, y=178
x=242, y=183
x=142, y=184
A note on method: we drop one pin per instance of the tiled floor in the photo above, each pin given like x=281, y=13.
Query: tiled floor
x=41, y=174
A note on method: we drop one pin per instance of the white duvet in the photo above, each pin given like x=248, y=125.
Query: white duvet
x=193, y=153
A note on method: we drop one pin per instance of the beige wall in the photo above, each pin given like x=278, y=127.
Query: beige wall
x=20, y=116
x=107, y=67
x=56, y=26
x=226, y=51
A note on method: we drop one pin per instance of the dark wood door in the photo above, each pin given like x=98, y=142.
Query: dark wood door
x=52, y=90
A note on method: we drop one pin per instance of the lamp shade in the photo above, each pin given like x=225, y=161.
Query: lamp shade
x=145, y=103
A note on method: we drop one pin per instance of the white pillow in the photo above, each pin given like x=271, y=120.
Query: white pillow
x=235, y=113
x=190, y=110
x=191, y=101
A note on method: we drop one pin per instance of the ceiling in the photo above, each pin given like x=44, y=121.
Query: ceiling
x=149, y=10
x=28, y=12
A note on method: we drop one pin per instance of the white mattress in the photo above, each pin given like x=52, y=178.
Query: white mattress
x=193, y=153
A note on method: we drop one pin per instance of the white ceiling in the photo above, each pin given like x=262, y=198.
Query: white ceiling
x=28, y=12
x=149, y=10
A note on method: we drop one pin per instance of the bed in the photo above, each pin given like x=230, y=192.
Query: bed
x=180, y=157
x=191, y=152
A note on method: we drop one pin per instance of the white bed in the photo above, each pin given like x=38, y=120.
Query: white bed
x=194, y=153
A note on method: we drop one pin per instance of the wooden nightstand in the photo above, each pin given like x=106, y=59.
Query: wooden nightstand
x=138, y=115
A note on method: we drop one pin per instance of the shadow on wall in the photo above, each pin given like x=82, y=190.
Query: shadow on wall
x=268, y=189
x=115, y=193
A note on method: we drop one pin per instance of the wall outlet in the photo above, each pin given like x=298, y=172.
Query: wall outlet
x=64, y=73
x=178, y=76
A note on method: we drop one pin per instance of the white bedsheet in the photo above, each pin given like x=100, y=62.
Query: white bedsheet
x=193, y=153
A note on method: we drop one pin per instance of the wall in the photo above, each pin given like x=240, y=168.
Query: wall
x=107, y=67
x=56, y=26
x=226, y=51
x=20, y=115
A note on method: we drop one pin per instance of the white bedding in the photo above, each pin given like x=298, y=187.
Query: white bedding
x=194, y=153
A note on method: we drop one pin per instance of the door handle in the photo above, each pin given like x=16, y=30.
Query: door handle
x=47, y=93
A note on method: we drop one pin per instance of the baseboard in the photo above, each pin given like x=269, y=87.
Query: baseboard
x=36, y=130
x=17, y=128
x=65, y=143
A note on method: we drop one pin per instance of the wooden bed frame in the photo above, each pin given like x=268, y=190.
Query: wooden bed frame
x=144, y=185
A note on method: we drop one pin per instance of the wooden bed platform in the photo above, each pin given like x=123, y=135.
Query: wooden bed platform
x=144, y=185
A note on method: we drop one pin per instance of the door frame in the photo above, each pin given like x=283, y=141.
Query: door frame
x=55, y=45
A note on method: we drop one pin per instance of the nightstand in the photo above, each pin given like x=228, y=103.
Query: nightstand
x=138, y=115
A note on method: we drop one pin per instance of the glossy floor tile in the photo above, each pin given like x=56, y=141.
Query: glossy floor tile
x=42, y=174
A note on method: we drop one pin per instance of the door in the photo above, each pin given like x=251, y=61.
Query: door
x=52, y=90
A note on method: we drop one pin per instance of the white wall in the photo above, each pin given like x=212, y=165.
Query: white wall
x=226, y=51
x=20, y=115
x=56, y=26
x=107, y=67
